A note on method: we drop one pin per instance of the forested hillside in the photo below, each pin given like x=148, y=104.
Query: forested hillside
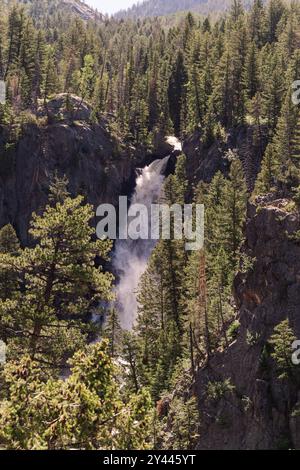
x=49, y=10
x=152, y=79
x=88, y=102
x=166, y=7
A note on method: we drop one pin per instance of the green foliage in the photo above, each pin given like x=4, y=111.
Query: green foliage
x=296, y=196
x=183, y=419
x=9, y=243
x=148, y=79
x=225, y=208
x=113, y=332
x=27, y=118
x=233, y=330
x=217, y=390
x=264, y=358
x=247, y=263
x=158, y=75
x=9, y=247
x=135, y=423
x=87, y=77
x=281, y=160
x=45, y=315
x=58, y=190
x=282, y=340
x=252, y=338
x=82, y=412
x=269, y=174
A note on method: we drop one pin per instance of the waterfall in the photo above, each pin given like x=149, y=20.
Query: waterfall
x=131, y=256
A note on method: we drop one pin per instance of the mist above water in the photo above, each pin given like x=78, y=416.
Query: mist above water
x=131, y=256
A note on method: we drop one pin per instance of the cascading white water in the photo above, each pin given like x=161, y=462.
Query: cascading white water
x=131, y=256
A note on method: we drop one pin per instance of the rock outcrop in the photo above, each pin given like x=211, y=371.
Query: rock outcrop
x=205, y=160
x=66, y=107
x=81, y=9
x=97, y=165
x=257, y=410
x=63, y=139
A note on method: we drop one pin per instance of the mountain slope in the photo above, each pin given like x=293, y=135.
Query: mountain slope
x=39, y=9
x=150, y=8
x=80, y=8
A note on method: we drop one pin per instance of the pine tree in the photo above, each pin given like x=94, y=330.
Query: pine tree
x=236, y=10
x=100, y=95
x=282, y=340
x=130, y=353
x=113, y=332
x=58, y=190
x=257, y=23
x=83, y=412
x=176, y=92
x=288, y=39
x=251, y=73
x=153, y=94
x=15, y=30
x=27, y=63
x=273, y=89
x=39, y=67
x=286, y=139
x=158, y=335
x=185, y=424
x=49, y=84
x=2, y=52
x=213, y=208
x=61, y=284
x=9, y=242
x=129, y=79
x=270, y=172
x=280, y=163
x=234, y=199
x=9, y=251
x=87, y=77
x=209, y=276
x=160, y=313
x=228, y=97
x=136, y=423
x=275, y=11
x=194, y=96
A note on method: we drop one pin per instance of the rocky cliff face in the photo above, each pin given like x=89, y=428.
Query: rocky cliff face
x=63, y=140
x=81, y=9
x=96, y=164
x=205, y=160
x=256, y=410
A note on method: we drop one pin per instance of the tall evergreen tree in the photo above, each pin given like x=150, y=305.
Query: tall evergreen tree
x=176, y=92
x=60, y=284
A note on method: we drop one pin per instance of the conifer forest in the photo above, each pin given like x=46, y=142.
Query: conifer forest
x=109, y=344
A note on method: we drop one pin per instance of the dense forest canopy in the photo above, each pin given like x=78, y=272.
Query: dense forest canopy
x=151, y=77
x=162, y=7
